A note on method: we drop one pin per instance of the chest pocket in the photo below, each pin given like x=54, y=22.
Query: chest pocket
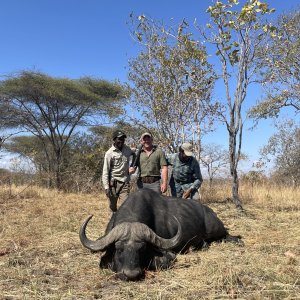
x=118, y=161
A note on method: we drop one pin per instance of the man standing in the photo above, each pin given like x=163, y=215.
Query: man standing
x=116, y=170
x=186, y=176
x=152, y=164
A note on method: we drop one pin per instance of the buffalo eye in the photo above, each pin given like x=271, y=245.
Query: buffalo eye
x=119, y=247
x=143, y=246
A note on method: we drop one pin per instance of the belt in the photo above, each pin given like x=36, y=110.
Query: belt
x=179, y=181
x=149, y=179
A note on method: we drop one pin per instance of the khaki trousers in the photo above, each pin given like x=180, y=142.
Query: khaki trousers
x=117, y=200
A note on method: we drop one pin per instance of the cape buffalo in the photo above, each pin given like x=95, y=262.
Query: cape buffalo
x=148, y=229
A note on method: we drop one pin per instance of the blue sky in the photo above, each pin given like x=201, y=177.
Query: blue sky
x=77, y=37
x=74, y=38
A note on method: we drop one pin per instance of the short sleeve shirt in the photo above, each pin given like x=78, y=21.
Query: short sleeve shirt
x=152, y=164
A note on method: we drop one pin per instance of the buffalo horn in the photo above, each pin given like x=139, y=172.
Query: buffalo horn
x=101, y=243
x=150, y=236
x=129, y=231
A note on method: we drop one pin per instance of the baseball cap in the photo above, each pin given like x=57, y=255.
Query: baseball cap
x=187, y=149
x=146, y=134
x=118, y=133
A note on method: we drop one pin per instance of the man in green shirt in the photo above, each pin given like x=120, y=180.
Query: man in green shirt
x=152, y=164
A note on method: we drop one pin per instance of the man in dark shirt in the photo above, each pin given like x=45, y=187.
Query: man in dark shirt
x=186, y=176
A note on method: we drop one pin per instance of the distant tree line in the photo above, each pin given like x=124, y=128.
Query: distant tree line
x=68, y=122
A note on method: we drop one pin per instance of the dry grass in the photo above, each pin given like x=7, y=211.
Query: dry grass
x=41, y=256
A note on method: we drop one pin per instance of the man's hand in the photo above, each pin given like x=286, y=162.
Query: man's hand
x=164, y=187
x=132, y=170
x=113, y=207
x=112, y=200
x=108, y=193
x=186, y=194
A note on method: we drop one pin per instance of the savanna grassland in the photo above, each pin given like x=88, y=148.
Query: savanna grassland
x=41, y=256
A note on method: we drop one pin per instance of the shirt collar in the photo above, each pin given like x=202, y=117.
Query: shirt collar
x=116, y=149
x=154, y=147
x=184, y=162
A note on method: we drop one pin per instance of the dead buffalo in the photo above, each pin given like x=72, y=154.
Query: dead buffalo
x=148, y=229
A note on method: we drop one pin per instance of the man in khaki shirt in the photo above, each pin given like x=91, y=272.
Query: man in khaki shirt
x=116, y=170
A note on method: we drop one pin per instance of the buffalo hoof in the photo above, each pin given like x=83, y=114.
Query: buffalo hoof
x=234, y=239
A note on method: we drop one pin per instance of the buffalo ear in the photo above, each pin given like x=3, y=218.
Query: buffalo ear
x=163, y=261
x=106, y=260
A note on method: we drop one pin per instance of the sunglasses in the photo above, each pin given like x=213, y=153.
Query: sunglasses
x=146, y=137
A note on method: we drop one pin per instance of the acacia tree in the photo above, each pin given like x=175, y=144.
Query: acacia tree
x=237, y=35
x=82, y=160
x=281, y=77
x=31, y=148
x=7, y=121
x=51, y=108
x=171, y=83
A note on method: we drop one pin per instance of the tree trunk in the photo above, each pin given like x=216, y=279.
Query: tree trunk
x=210, y=182
x=235, y=190
x=58, y=169
x=233, y=170
x=58, y=180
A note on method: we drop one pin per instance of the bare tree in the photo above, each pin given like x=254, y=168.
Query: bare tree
x=171, y=83
x=284, y=148
x=215, y=159
x=281, y=77
x=236, y=34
